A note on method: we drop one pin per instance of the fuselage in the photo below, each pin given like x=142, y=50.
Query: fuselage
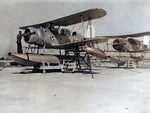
x=128, y=44
x=50, y=37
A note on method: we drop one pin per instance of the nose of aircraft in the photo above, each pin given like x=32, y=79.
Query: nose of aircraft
x=118, y=44
x=26, y=38
x=27, y=35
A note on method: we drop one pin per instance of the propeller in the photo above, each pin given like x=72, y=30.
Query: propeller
x=27, y=35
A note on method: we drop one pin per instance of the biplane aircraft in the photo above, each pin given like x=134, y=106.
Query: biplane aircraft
x=52, y=35
x=129, y=45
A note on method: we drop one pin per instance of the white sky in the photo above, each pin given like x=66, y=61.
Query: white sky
x=123, y=16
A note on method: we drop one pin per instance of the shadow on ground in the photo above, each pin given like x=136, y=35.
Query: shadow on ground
x=30, y=71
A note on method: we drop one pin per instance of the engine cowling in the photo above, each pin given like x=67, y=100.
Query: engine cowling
x=34, y=36
x=30, y=35
x=119, y=45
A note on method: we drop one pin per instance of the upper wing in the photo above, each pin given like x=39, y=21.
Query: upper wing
x=129, y=35
x=72, y=19
x=80, y=43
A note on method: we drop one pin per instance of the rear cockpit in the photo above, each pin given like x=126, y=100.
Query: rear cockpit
x=56, y=30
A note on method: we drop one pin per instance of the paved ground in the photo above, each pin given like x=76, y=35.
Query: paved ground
x=111, y=91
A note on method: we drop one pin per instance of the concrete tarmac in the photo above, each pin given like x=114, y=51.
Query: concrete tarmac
x=111, y=90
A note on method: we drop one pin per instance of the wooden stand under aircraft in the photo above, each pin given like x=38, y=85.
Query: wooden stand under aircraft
x=51, y=35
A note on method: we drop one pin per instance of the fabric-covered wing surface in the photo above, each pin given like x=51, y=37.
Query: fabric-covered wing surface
x=72, y=19
x=125, y=36
x=80, y=43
